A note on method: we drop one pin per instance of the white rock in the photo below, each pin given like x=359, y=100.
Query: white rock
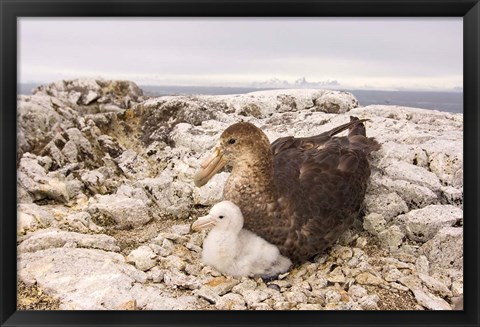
x=366, y=278
x=369, y=302
x=435, y=285
x=133, y=165
x=120, y=210
x=246, y=285
x=374, y=223
x=32, y=178
x=173, y=261
x=83, y=279
x=392, y=237
x=296, y=297
x=332, y=296
x=357, y=291
x=220, y=285
x=388, y=205
x=156, y=274
x=400, y=170
x=445, y=250
x=55, y=238
x=31, y=216
x=230, y=301
x=254, y=296
x=177, y=279
x=430, y=301
x=393, y=275
x=423, y=224
x=422, y=264
x=143, y=257
x=82, y=221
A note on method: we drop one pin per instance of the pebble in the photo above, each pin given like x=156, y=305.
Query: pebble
x=366, y=278
x=221, y=285
x=393, y=275
x=435, y=285
x=369, y=302
x=230, y=301
x=254, y=296
x=296, y=297
x=143, y=257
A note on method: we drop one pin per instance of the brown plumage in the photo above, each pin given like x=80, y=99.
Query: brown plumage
x=300, y=194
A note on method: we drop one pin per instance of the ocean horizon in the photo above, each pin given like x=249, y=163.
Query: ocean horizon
x=442, y=101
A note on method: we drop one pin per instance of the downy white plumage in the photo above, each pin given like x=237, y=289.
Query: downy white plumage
x=236, y=251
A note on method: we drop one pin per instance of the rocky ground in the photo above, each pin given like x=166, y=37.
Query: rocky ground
x=105, y=200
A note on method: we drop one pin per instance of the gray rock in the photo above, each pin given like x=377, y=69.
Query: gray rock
x=133, y=165
x=220, y=285
x=414, y=195
x=357, y=291
x=423, y=224
x=369, y=302
x=94, y=181
x=296, y=297
x=366, y=278
x=155, y=274
x=400, y=170
x=422, y=264
x=119, y=210
x=430, y=301
x=83, y=279
x=31, y=217
x=388, y=206
x=332, y=296
x=177, y=279
x=374, y=223
x=435, y=285
x=230, y=301
x=143, y=257
x=245, y=285
x=38, y=121
x=173, y=198
x=173, y=261
x=445, y=249
x=254, y=296
x=393, y=275
x=392, y=237
x=55, y=238
x=82, y=221
x=336, y=276
x=33, y=179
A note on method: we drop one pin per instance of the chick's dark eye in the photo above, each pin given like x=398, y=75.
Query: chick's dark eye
x=221, y=217
x=231, y=141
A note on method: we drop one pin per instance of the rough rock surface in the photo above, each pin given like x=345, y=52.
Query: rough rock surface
x=105, y=200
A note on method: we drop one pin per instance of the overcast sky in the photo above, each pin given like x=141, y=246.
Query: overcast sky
x=398, y=53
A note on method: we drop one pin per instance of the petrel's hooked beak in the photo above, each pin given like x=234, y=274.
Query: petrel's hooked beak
x=202, y=223
x=210, y=167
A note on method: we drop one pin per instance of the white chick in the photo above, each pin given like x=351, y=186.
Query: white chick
x=236, y=251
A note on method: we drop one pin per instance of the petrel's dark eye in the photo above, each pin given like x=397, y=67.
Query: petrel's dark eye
x=231, y=141
x=221, y=217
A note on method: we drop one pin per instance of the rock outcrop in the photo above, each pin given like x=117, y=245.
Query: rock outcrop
x=105, y=199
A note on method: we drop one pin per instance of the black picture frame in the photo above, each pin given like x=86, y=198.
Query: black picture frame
x=11, y=10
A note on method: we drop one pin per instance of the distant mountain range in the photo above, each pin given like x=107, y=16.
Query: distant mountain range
x=300, y=83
